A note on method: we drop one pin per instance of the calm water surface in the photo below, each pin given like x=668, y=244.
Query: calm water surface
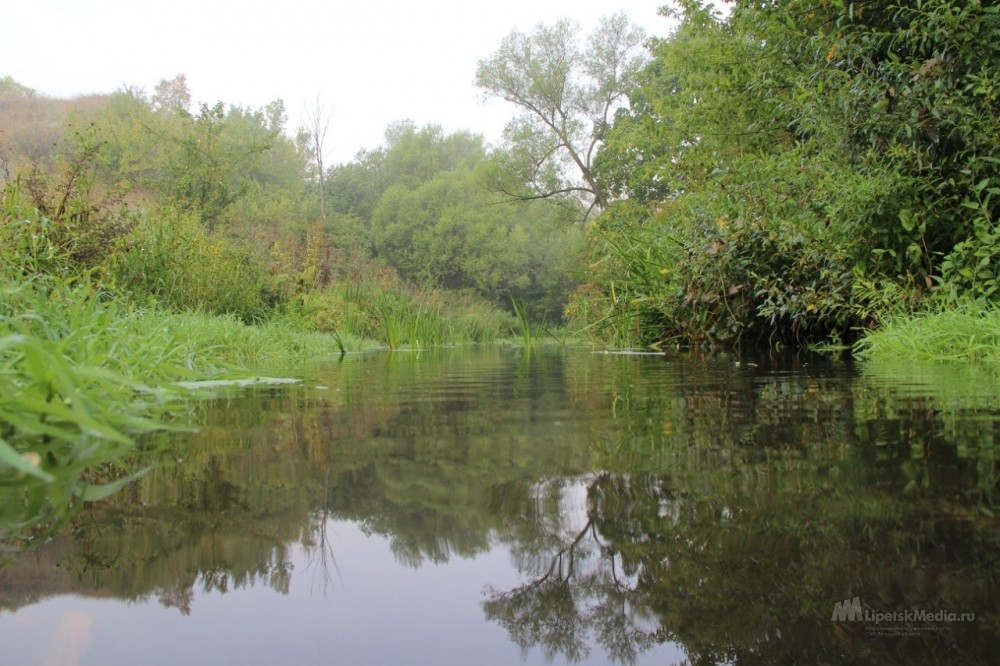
x=483, y=506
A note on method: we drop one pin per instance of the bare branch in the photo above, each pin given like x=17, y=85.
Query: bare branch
x=317, y=126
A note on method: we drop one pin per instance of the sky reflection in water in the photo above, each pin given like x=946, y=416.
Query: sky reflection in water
x=364, y=609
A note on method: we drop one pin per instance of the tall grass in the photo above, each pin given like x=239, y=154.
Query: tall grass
x=75, y=385
x=967, y=333
x=391, y=319
x=405, y=320
x=395, y=317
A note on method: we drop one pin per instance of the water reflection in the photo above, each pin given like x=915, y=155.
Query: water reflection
x=718, y=504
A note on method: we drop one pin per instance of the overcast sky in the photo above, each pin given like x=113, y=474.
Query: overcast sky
x=372, y=62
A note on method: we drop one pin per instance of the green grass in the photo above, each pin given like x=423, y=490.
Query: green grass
x=966, y=333
x=224, y=344
x=81, y=371
x=365, y=315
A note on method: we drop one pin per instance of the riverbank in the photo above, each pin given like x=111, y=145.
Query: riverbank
x=78, y=367
x=79, y=364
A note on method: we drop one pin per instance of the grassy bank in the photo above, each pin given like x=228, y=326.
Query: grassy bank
x=83, y=374
x=76, y=366
x=966, y=333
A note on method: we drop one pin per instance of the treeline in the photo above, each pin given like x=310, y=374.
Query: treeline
x=226, y=210
x=790, y=171
x=798, y=170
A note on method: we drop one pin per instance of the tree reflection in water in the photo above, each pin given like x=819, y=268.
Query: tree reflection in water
x=585, y=594
x=317, y=546
x=748, y=580
x=643, y=501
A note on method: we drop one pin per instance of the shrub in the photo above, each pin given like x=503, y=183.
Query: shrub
x=172, y=261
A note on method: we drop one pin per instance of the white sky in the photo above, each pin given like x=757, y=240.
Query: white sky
x=372, y=62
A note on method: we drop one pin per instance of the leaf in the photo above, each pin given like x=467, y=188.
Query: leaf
x=10, y=457
x=94, y=493
x=906, y=219
x=62, y=414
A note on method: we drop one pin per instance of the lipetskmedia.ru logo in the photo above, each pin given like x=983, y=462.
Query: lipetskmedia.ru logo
x=897, y=622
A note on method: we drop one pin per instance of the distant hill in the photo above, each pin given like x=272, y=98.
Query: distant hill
x=32, y=124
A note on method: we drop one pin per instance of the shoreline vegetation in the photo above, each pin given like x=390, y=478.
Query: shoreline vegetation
x=777, y=178
x=966, y=334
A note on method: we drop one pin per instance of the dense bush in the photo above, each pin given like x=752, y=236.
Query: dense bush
x=796, y=171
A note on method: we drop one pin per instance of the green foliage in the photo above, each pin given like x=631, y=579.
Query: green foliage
x=81, y=376
x=204, y=164
x=798, y=172
x=135, y=256
x=440, y=229
x=231, y=220
x=378, y=308
x=174, y=262
x=81, y=371
x=401, y=321
x=208, y=162
x=530, y=332
x=71, y=393
x=963, y=333
x=62, y=220
x=628, y=286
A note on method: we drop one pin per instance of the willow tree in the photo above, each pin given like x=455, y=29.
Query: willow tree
x=567, y=95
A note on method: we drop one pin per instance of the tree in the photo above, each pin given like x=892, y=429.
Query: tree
x=317, y=125
x=211, y=160
x=172, y=95
x=409, y=157
x=11, y=89
x=437, y=226
x=567, y=97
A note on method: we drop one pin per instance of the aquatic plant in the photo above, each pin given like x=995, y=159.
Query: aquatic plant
x=529, y=331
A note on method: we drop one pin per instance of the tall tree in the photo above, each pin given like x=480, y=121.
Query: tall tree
x=317, y=125
x=436, y=225
x=567, y=96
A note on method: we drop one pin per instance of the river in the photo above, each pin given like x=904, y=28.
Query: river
x=495, y=506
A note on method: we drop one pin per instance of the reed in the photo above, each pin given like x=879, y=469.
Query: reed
x=391, y=319
x=529, y=332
